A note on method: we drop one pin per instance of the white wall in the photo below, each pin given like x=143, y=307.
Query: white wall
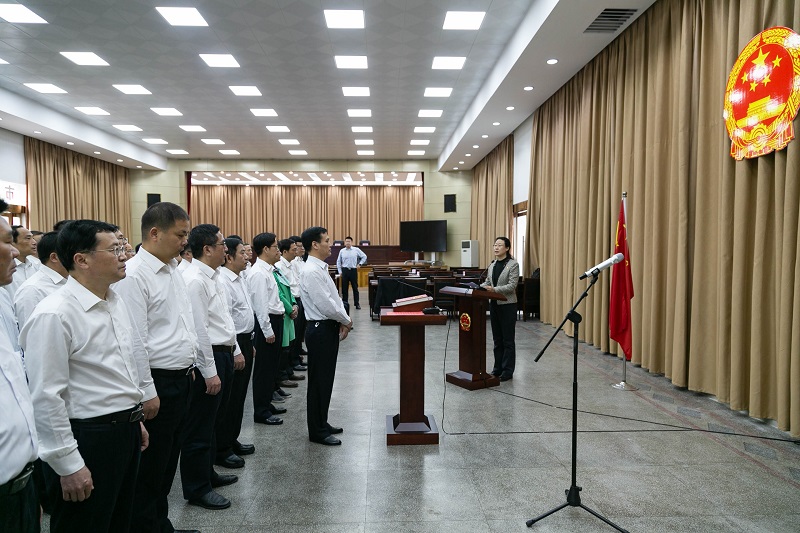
x=12, y=154
x=522, y=160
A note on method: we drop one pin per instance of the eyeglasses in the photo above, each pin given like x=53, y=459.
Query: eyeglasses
x=116, y=250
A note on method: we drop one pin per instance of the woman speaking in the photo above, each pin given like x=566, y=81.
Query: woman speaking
x=503, y=277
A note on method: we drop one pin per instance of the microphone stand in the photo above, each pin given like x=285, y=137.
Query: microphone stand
x=573, y=493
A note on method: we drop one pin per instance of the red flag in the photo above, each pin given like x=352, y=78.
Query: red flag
x=619, y=313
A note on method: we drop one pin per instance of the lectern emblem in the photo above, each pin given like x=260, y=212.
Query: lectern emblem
x=465, y=322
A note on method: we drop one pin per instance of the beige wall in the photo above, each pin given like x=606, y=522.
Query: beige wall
x=171, y=184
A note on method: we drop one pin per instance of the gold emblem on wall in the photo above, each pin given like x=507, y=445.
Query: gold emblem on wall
x=465, y=321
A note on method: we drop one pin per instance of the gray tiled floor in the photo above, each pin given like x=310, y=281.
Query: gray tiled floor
x=503, y=459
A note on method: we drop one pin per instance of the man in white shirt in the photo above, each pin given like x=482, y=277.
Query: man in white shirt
x=350, y=257
x=51, y=276
x=165, y=351
x=288, y=249
x=27, y=262
x=328, y=324
x=19, y=509
x=269, y=328
x=216, y=336
x=185, y=260
x=229, y=449
x=85, y=386
x=300, y=322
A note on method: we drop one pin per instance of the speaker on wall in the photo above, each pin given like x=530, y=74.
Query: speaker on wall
x=153, y=199
x=449, y=203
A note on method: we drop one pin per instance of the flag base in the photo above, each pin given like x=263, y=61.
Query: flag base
x=624, y=385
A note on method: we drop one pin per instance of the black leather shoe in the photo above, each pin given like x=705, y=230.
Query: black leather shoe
x=212, y=500
x=243, y=449
x=358, y=306
x=330, y=440
x=288, y=384
x=505, y=377
x=496, y=373
x=284, y=393
x=300, y=368
x=297, y=377
x=232, y=461
x=334, y=430
x=271, y=421
x=221, y=480
x=278, y=410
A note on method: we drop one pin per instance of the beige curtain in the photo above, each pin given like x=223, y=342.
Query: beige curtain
x=714, y=242
x=366, y=213
x=63, y=184
x=492, y=186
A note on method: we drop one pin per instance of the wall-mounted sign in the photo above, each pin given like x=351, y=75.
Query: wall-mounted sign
x=763, y=94
x=14, y=193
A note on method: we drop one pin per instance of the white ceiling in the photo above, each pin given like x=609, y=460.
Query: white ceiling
x=285, y=49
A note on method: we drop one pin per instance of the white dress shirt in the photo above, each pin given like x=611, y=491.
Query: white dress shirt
x=80, y=364
x=184, y=265
x=18, y=441
x=289, y=271
x=39, y=286
x=264, y=295
x=320, y=298
x=8, y=321
x=24, y=271
x=350, y=258
x=212, y=317
x=238, y=300
x=160, y=311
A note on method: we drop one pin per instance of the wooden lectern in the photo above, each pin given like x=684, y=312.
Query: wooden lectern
x=471, y=307
x=411, y=425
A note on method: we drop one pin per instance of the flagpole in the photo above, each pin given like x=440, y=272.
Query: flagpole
x=624, y=385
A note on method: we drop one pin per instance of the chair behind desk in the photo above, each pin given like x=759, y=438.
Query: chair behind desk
x=444, y=301
x=391, y=289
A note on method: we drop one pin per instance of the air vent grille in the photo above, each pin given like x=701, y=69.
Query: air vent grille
x=610, y=20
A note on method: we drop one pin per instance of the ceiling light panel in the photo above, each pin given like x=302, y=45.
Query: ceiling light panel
x=131, y=89
x=424, y=129
x=229, y=152
x=19, y=14
x=430, y=113
x=192, y=128
x=361, y=129
x=264, y=112
x=155, y=141
x=166, y=111
x=344, y=18
x=220, y=60
x=463, y=20
x=289, y=141
x=448, y=63
x=365, y=152
x=438, y=92
x=182, y=16
x=420, y=142
x=213, y=141
x=278, y=129
x=416, y=152
x=355, y=91
x=45, y=88
x=3, y=62
x=359, y=113
x=245, y=90
x=85, y=58
x=92, y=110
x=127, y=127
x=352, y=62
x=364, y=142
x=178, y=152
x=298, y=152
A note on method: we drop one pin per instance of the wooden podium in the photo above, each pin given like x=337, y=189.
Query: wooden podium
x=471, y=307
x=411, y=425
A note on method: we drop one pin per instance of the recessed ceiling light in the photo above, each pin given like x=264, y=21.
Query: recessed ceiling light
x=3, y=62
x=45, y=88
x=475, y=146
x=460, y=162
x=127, y=127
x=264, y=112
x=485, y=136
x=438, y=92
x=278, y=129
x=416, y=152
x=37, y=132
x=288, y=141
x=510, y=108
x=361, y=129
x=552, y=61
x=355, y=113
x=355, y=91
x=467, y=155
x=463, y=20
x=364, y=142
x=155, y=141
x=19, y=14
x=85, y=58
x=455, y=168
x=448, y=63
x=119, y=160
x=359, y=62
x=131, y=89
x=182, y=16
x=245, y=90
x=93, y=110
x=344, y=18
x=495, y=123
x=178, y=152
x=365, y=152
x=138, y=166
x=97, y=153
x=420, y=142
x=213, y=141
x=298, y=152
x=527, y=88
x=424, y=129
x=220, y=60
x=229, y=152
x=70, y=143
x=192, y=128
x=166, y=111
x=429, y=113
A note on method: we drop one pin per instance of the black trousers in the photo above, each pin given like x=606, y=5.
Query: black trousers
x=350, y=277
x=197, y=458
x=230, y=423
x=111, y=453
x=504, y=322
x=322, y=342
x=265, y=367
x=160, y=460
x=19, y=512
x=299, y=334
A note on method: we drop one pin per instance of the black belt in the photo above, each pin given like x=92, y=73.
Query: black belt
x=222, y=348
x=129, y=415
x=164, y=373
x=15, y=485
x=349, y=268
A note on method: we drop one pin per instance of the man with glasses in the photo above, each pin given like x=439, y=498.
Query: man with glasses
x=216, y=336
x=85, y=386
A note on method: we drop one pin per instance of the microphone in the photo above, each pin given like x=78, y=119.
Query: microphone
x=412, y=286
x=595, y=270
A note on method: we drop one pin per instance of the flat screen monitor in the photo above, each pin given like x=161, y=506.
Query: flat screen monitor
x=423, y=235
